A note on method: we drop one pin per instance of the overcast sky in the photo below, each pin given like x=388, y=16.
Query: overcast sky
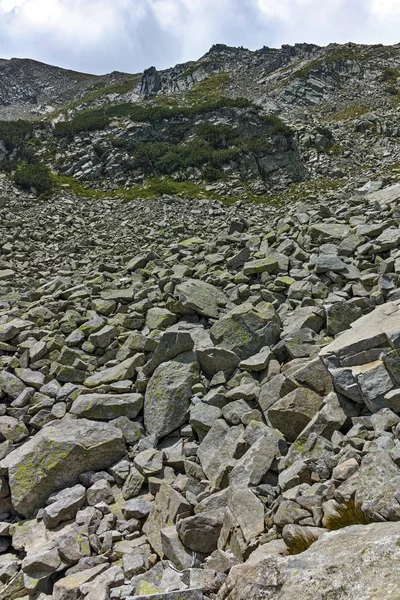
x=99, y=36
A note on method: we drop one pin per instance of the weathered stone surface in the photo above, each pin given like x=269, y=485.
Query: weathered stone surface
x=55, y=457
x=167, y=506
x=248, y=510
x=121, y=372
x=352, y=563
x=292, y=413
x=377, y=484
x=107, y=406
x=11, y=385
x=67, y=503
x=213, y=360
x=256, y=462
x=219, y=447
x=201, y=532
x=201, y=297
x=168, y=394
x=247, y=329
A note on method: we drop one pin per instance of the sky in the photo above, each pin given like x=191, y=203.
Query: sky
x=100, y=36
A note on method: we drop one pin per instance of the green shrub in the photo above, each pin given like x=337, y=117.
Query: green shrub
x=301, y=542
x=15, y=133
x=390, y=76
x=162, y=158
x=88, y=120
x=118, y=142
x=99, y=150
x=325, y=132
x=98, y=118
x=349, y=513
x=218, y=136
x=259, y=146
x=277, y=125
x=212, y=174
x=34, y=175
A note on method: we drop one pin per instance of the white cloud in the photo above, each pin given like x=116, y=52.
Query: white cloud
x=102, y=35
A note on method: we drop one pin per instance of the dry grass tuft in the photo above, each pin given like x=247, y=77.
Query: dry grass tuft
x=349, y=513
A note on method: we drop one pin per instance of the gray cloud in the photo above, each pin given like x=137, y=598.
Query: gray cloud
x=129, y=35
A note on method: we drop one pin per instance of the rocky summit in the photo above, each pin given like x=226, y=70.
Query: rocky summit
x=200, y=328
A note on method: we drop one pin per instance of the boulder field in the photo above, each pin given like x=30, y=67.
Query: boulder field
x=176, y=415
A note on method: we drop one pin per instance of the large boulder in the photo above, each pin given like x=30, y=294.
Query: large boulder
x=363, y=361
x=361, y=561
x=201, y=297
x=246, y=329
x=292, y=413
x=55, y=456
x=168, y=394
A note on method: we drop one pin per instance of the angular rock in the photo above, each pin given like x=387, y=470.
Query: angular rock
x=333, y=566
x=107, y=406
x=247, y=329
x=66, y=505
x=55, y=457
x=201, y=297
x=292, y=413
x=168, y=394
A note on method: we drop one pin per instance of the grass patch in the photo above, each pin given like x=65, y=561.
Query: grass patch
x=299, y=191
x=212, y=88
x=154, y=188
x=301, y=542
x=151, y=189
x=350, y=112
x=349, y=513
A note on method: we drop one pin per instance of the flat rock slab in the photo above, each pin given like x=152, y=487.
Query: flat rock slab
x=354, y=359
x=195, y=594
x=361, y=561
x=107, y=406
x=385, y=196
x=54, y=458
x=246, y=329
x=370, y=331
x=121, y=372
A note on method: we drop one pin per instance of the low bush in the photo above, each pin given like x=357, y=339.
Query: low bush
x=15, y=133
x=98, y=118
x=218, y=136
x=88, y=120
x=162, y=158
x=278, y=126
x=35, y=175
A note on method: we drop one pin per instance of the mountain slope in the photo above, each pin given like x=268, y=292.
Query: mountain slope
x=334, y=110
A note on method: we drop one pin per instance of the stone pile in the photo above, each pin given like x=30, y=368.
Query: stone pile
x=172, y=416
